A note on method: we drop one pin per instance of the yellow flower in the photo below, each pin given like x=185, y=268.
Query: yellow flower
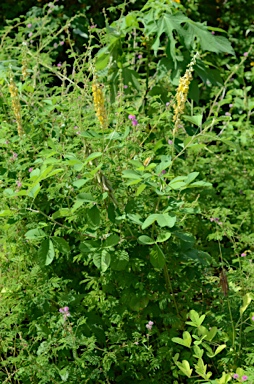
x=182, y=92
x=99, y=105
x=15, y=104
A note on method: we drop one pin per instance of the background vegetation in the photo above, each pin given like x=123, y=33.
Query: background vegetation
x=126, y=214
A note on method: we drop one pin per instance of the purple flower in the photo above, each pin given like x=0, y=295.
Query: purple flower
x=170, y=142
x=235, y=376
x=139, y=56
x=227, y=114
x=167, y=104
x=14, y=155
x=29, y=25
x=243, y=254
x=231, y=105
x=163, y=172
x=149, y=325
x=252, y=318
x=30, y=34
x=19, y=184
x=61, y=43
x=134, y=122
x=213, y=33
x=59, y=65
x=30, y=169
x=244, y=378
x=125, y=86
x=245, y=54
x=65, y=312
x=55, y=45
x=131, y=117
x=93, y=26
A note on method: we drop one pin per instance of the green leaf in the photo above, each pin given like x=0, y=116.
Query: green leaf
x=62, y=212
x=119, y=260
x=94, y=217
x=211, y=333
x=46, y=252
x=102, y=260
x=33, y=192
x=196, y=320
x=93, y=156
x=246, y=302
x=61, y=244
x=102, y=61
x=217, y=351
x=157, y=257
x=79, y=183
x=196, y=120
x=185, y=368
x=145, y=240
x=163, y=237
x=6, y=213
x=35, y=234
x=129, y=174
x=185, y=341
x=111, y=241
x=86, y=197
x=163, y=220
x=140, y=189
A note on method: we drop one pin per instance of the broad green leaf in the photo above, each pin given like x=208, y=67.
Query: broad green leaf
x=94, y=217
x=61, y=244
x=165, y=220
x=62, y=212
x=149, y=221
x=79, y=183
x=217, y=351
x=185, y=341
x=6, y=213
x=102, y=260
x=145, y=240
x=163, y=237
x=111, y=241
x=46, y=252
x=131, y=174
x=196, y=120
x=102, y=61
x=35, y=234
x=196, y=320
x=93, y=156
x=185, y=368
x=211, y=333
x=119, y=260
x=157, y=257
x=33, y=192
x=86, y=197
x=105, y=260
x=246, y=302
x=140, y=189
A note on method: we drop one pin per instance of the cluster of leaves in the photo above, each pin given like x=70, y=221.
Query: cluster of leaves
x=119, y=226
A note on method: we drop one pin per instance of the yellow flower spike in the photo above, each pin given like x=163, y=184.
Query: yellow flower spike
x=15, y=104
x=182, y=92
x=99, y=104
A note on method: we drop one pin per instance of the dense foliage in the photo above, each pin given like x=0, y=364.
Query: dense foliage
x=126, y=215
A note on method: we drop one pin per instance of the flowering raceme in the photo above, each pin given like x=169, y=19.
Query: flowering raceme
x=182, y=92
x=99, y=105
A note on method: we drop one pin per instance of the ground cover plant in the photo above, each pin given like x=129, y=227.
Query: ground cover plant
x=126, y=211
